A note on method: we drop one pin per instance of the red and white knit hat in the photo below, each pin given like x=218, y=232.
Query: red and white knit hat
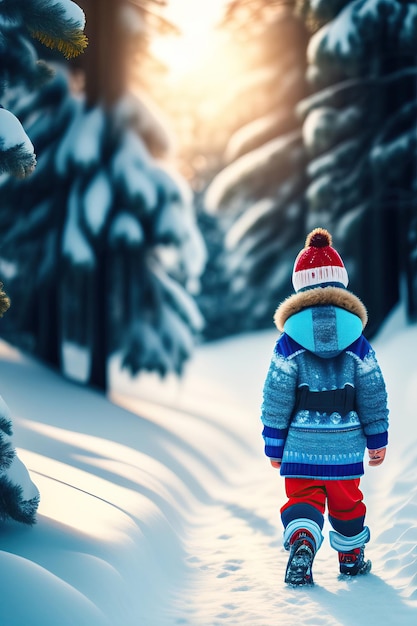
x=318, y=263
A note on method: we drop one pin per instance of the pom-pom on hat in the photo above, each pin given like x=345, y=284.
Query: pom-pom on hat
x=318, y=263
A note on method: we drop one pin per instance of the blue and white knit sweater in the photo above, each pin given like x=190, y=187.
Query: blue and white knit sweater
x=322, y=348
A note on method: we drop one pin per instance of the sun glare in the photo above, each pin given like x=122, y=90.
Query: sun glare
x=197, y=20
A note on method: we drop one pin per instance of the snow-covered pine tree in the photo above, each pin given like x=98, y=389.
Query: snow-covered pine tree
x=259, y=196
x=118, y=244
x=32, y=219
x=359, y=130
x=58, y=24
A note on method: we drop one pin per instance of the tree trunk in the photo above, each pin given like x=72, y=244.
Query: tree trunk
x=104, y=60
x=380, y=252
x=409, y=257
x=105, y=67
x=47, y=335
x=99, y=323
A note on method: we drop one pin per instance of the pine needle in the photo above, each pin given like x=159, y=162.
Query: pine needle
x=70, y=47
x=4, y=301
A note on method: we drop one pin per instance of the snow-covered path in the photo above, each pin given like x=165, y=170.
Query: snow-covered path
x=239, y=565
x=160, y=509
x=234, y=549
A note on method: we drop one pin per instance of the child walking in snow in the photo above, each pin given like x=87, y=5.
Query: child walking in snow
x=324, y=402
x=19, y=496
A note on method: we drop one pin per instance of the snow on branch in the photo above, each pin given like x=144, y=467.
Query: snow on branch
x=338, y=94
x=75, y=245
x=249, y=220
x=347, y=42
x=324, y=127
x=131, y=170
x=126, y=229
x=178, y=299
x=390, y=157
x=82, y=145
x=17, y=155
x=97, y=201
x=405, y=115
x=249, y=171
x=57, y=24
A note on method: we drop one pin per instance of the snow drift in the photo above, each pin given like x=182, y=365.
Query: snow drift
x=159, y=508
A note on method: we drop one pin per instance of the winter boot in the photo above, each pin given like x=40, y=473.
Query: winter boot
x=300, y=561
x=353, y=562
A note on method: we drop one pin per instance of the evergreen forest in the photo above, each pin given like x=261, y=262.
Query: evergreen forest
x=141, y=215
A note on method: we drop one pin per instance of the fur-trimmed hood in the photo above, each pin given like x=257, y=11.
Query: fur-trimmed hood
x=320, y=296
x=323, y=320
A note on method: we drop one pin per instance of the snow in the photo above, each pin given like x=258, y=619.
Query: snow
x=159, y=508
x=234, y=174
x=82, y=142
x=319, y=129
x=74, y=245
x=131, y=169
x=126, y=228
x=394, y=151
x=320, y=191
x=12, y=133
x=178, y=298
x=339, y=35
x=86, y=141
x=176, y=223
x=8, y=269
x=75, y=361
x=249, y=220
x=409, y=27
x=169, y=225
x=73, y=12
x=348, y=34
x=98, y=200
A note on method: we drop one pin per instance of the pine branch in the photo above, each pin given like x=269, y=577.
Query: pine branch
x=408, y=111
x=17, y=161
x=329, y=95
x=4, y=303
x=73, y=45
x=57, y=24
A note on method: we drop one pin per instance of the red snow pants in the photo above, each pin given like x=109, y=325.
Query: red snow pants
x=343, y=497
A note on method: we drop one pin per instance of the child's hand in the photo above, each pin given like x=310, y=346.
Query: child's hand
x=276, y=464
x=376, y=456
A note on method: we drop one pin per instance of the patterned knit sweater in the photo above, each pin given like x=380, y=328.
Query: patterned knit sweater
x=322, y=349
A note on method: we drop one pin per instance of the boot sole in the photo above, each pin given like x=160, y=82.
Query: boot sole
x=298, y=573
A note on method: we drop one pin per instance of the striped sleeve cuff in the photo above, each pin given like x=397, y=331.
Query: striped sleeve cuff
x=374, y=442
x=274, y=439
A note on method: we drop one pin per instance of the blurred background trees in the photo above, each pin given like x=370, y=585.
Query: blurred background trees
x=360, y=133
x=329, y=92
x=103, y=241
x=258, y=196
x=301, y=115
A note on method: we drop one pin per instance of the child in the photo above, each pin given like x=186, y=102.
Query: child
x=324, y=402
x=19, y=496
